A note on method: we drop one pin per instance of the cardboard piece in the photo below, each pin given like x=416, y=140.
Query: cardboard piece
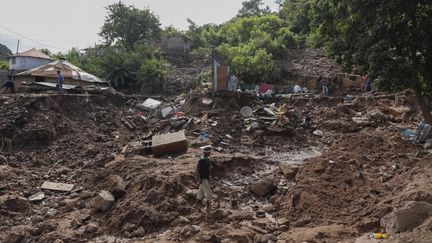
x=48, y=185
x=169, y=143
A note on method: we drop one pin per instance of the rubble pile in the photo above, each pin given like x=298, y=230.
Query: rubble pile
x=79, y=168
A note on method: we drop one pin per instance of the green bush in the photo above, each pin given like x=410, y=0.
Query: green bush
x=152, y=75
x=250, y=64
x=4, y=65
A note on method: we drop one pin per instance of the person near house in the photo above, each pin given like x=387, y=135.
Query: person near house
x=367, y=83
x=8, y=85
x=203, y=176
x=324, y=85
x=60, y=80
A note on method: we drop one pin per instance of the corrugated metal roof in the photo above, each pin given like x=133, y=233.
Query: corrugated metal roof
x=66, y=68
x=32, y=53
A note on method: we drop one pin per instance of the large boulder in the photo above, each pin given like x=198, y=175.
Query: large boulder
x=407, y=218
x=263, y=187
x=103, y=201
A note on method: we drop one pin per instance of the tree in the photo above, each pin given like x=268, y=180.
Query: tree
x=128, y=26
x=152, y=75
x=390, y=39
x=249, y=63
x=4, y=65
x=4, y=52
x=46, y=51
x=296, y=13
x=253, y=8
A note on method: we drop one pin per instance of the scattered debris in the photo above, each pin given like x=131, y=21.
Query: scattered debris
x=48, y=185
x=37, y=197
x=149, y=104
x=246, y=111
x=207, y=101
x=167, y=111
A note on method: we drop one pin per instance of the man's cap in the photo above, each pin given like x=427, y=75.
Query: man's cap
x=207, y=149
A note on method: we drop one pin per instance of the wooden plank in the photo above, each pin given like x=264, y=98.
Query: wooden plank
x=48, y=185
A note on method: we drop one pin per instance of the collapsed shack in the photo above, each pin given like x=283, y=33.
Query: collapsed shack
x=45, y=77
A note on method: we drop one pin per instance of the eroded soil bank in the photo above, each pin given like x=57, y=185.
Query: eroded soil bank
x=281, y=181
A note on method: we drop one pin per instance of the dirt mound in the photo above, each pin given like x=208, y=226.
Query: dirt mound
x=333, y=168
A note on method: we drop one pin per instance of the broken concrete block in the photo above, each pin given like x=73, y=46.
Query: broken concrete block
x=103, y=201
x=37, y=197
x=57, y=186
x=263, y=187
x=149, y=104
x=407, y=218
x=169, y=143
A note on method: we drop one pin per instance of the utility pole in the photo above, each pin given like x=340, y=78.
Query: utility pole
x=17, y=46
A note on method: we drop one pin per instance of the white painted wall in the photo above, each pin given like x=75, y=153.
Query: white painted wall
x=26, y=63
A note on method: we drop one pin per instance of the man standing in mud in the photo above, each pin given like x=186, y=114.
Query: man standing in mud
x=60, y=80
x=203, y=176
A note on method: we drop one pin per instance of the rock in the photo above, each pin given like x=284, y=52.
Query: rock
x=180, y=220
x=140, y=232
x=128, y=227
x=116, y=186
x=103, y=201
x=407, y=218
x=190, y=230
x=14, y=203
x=289, y=171
x=219, y=214
x=318, y=133
x=263, y=187
x=91, y=228
x=17, y=234
x=85, y=217
x=283, y=221
x=3, y=160
x=37, y=197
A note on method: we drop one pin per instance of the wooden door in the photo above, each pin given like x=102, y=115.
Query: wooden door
x=222, y=77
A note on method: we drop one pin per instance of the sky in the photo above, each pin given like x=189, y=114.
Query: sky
x=59, y=25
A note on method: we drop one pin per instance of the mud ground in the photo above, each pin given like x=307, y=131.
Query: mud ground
x=330, y=188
